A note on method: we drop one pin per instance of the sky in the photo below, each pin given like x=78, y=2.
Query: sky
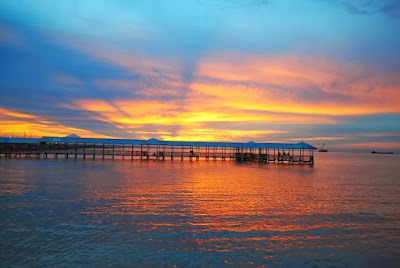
x=206, y=70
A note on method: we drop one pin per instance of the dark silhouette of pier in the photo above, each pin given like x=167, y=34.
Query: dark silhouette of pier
x=89, y=148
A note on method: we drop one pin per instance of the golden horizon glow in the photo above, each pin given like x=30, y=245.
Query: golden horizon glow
x=19, y=124
x=229, y=98
x=16, y=123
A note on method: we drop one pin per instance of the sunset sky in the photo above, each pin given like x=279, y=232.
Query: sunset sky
x=222, y=70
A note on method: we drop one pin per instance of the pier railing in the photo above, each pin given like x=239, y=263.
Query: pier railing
x=77, y=150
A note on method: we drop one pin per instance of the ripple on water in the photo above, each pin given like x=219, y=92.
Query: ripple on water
x=106, y=213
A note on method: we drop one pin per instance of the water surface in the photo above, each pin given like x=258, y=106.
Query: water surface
x=344, y=211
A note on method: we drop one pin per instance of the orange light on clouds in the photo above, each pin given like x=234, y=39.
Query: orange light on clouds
x=18, y=124
x=11, y=113
x=217, y=135
x=226, y=91
x=135, y=115
x=275, y=83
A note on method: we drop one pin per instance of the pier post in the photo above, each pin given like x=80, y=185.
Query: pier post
x=301, y=158
x=84, y=150
x=312, y=158
x=279, y=156
x=113, y=148
x=163, y=155
x=94, y=151
x=123, y=151
x=293, y=156
x=132, y=153
x=76, y=151
x=148, y=152
x=141, y=152
x=172, y=152
x=66, y=152
x=182, y=154
x=242, y=155
x=102, y=153
x=259, y=155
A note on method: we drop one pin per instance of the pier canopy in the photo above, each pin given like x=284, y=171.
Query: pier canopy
x=19, y=141
x=153, y=141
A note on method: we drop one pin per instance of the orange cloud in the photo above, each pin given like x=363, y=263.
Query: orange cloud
x=96, y=105
x=18, y=124
x=234, y=88
x=322, y=138
x=138, y=114
x=11, y=113
x=276, y=83
x=188, y=134
x=298, y=84
x=253, y=98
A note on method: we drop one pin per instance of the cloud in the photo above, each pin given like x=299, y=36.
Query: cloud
x=232, y=90
x=11, y=37
x=144, y=87
x=279, y=83
x=17, y=124
x=67, y=79
x=11, y=113
x=390, y=8
x=296, y=84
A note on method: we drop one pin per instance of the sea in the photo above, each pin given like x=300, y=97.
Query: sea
x=342, y=212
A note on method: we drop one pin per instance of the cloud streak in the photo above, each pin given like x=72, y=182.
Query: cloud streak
x=17, y=124
x=204, y=70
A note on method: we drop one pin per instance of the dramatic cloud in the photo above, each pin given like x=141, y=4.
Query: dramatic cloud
x=372, y=7
x=17, y=124
x=203, y=70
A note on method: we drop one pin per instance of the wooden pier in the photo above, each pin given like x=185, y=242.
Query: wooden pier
x=153, y=149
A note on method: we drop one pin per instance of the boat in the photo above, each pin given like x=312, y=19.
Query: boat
x=375, y=152
x=323, y=149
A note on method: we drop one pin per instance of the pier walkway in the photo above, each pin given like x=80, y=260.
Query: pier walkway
x=89, y=148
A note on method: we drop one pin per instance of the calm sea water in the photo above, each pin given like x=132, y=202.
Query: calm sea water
x=344, y=211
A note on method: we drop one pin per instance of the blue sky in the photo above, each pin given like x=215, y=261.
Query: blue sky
x=266, y=70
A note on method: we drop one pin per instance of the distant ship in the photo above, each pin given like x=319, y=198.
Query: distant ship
x=323, y=149
x=375, y=152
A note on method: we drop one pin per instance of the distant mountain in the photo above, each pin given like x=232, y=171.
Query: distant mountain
x=72, y=136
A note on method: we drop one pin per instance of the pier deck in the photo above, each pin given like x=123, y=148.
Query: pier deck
x=89, y=148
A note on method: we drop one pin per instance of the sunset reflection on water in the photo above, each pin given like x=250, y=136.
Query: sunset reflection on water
x=153, y=212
